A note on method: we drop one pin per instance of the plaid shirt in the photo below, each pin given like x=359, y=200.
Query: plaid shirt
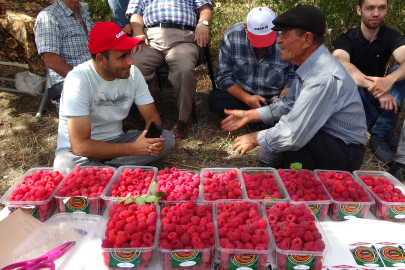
x=59, y=31
x=184, y=12
x=238, y=64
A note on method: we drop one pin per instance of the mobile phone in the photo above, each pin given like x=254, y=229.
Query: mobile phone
x=154, y=131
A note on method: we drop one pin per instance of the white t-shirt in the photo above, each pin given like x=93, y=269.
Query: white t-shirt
x=85, y=92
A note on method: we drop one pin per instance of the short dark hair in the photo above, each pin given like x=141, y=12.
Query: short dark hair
x=318, y=38
x=105, y=54
x=361, y=2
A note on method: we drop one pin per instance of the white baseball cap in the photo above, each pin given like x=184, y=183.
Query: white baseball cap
x=259, y=24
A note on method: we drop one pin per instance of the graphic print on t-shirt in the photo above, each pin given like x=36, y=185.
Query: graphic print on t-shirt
x=115, y=101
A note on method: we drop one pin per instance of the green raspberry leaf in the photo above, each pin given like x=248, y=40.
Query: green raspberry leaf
x=156, y=201
x=143, y=196
x=128, y=201
x=153, y=187
x=296, y=166
x=159, y=195
x=139, y=201
x=150, y=199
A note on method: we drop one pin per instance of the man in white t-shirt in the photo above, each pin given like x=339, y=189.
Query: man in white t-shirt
x=101, y=93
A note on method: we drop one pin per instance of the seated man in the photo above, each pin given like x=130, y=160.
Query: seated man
x=364, y=51
x=61, y=36
x=100, y=94
x=321, y=122
x=249, y=70
x=118, y=9
x=171, y=31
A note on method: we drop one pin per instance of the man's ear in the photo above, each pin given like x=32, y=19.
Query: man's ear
x=101, y=59
x=308, y=39
x=245, y=27
x=359, y=10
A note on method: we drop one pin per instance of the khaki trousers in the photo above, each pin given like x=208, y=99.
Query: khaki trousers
x=178, y=49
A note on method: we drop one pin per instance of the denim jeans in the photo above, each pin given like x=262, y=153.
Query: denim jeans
x=118, y=9
x=381, y=121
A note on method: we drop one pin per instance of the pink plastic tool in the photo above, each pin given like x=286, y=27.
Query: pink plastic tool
x=45, y=261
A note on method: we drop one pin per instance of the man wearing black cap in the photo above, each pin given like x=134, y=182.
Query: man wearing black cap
x=321, y=122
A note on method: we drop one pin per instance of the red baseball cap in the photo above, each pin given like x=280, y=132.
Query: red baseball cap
x=109, y=36
x=259, y=23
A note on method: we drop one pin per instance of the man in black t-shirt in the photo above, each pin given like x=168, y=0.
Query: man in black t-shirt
x=364, y=51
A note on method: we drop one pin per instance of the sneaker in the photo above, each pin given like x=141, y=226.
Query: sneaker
x=380, y=148
x=398, y=171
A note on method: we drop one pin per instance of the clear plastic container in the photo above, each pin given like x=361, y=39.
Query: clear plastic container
x=124, y=258
x=262, y=170
x=393, y=211
x=86, y=205
x=165, y=198
x=107, y=196
x=58, y=230
x=181, y=258
x=202, y=196
x=42, y=210
x=298, y=259
x=344, y=210
x=319, y=207
x=241, y=258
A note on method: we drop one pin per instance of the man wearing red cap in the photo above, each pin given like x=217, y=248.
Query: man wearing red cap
x=249, y=70
x=101, y=93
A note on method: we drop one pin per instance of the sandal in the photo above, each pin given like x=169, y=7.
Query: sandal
x=179, y=130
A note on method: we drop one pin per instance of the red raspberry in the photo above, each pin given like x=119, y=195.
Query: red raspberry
x=255, y=239
x=121, y=239
x=245, y=237
x=185, y=239
x=172, y=236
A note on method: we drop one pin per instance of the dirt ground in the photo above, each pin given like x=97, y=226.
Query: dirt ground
x=29, y=142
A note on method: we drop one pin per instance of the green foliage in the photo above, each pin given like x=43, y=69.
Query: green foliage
x=143, y=199
x=100, y=10
x=296, y=166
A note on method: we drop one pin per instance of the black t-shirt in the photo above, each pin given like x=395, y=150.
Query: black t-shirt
x=370, y=58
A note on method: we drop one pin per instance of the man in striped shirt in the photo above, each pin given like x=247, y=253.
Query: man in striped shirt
x=321, y=122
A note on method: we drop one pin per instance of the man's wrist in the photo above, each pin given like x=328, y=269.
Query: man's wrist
x=204, y=22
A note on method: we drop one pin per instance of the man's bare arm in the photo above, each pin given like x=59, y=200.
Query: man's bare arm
x=354, y=72
x=82, y=145
x=202, y=31
x=56, y=63
x=137, y=31
x=150, y=113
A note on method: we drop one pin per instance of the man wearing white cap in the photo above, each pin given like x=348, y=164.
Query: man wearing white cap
x=250, y=73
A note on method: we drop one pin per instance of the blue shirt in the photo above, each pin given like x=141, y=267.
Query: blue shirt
x=58, y=30
x=184, y=12
x=238, y=64
x=322, y=96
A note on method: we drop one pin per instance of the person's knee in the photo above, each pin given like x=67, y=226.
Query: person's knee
x=169, y=141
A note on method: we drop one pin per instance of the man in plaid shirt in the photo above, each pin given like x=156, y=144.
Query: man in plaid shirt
x=61, y=36
x=171, y=31
x=249, y=70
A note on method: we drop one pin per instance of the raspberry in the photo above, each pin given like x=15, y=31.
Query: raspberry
x=185, y=239
x=121, y=239
x=255, y=239
x=169, y=228
x=172, y=236
x=245, y=237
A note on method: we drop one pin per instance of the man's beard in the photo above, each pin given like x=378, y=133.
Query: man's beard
x=369, y=26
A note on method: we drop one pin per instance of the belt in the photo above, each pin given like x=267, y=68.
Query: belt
x=173, y=25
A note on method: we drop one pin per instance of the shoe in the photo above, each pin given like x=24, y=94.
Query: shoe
x=380, y=148
x=179, y=130
x=398, y=171
x=393, y=141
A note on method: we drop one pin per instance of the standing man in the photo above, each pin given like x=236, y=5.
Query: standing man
x=250, y=73
x=100, y=94
x=171, y=31
x=321, y=122
x=61, y=36
x=364, y=51
x=118, y=9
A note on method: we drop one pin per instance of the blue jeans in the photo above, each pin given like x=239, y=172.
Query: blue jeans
x=381, y=121
x=118, y=9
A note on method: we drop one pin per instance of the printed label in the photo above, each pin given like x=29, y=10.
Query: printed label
x=185, y=259
x=366, y=256
x=124, y=259
x=397, y=212
x=30, y=209
x=300, y=261
x=392, y=256
x=244, y=262
x=350, y=210
x=76, y=204
x=316, y=209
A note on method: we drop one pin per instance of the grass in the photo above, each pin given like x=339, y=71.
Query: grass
x=28, y=142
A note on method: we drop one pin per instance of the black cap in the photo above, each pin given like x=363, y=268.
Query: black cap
x=305, y=17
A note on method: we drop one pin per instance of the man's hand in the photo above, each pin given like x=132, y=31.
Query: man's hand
x=148, y=146
x=235, y=120
x=380, y=86
x=387, y=102
x=127, y=29
x=254, y=101
x=201, y=34
x=139, y=47
x=245, y=143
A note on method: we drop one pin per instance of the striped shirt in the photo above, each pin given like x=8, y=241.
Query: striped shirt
x=58, y=30
x=238, y=64
x=322, y=96
x=184, y=12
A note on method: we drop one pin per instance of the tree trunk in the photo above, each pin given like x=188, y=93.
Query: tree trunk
x=17, y=41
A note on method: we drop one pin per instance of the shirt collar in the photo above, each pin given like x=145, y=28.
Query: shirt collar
x=304, y=69
x=366, y=41
x=67, y=10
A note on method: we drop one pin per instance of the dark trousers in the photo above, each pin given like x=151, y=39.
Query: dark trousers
x=323, y=151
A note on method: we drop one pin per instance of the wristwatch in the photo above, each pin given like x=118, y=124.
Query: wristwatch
x=204, y=22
